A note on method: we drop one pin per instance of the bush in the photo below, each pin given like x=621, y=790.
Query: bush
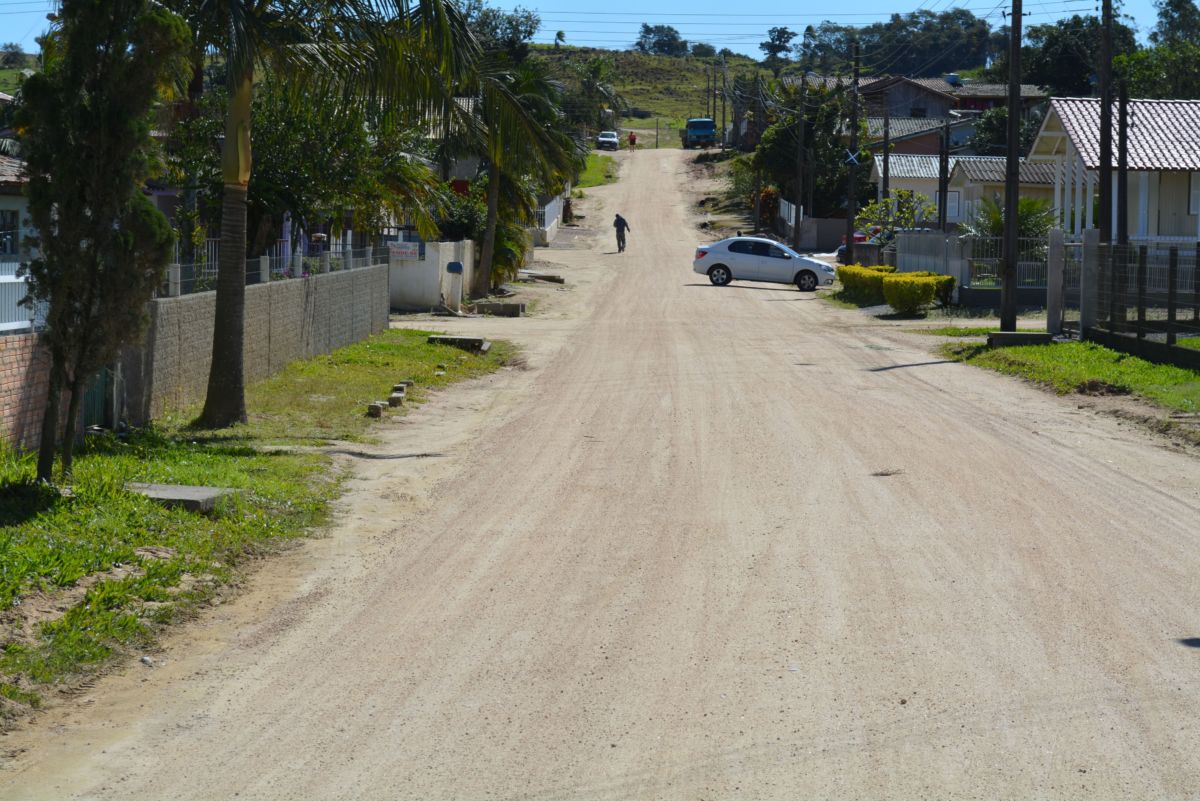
x=879, y=268
x=862, y=283
x=944, y=286
x=908, y=293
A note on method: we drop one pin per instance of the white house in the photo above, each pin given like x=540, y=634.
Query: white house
x=974, y=178
x=1164, y=165
x=13, y=207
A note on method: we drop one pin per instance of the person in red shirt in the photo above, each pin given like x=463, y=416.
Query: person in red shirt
x=632, y=140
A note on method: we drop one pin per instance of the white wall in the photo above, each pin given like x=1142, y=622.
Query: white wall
x=424, y=284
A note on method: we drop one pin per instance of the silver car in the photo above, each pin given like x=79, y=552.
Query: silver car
x=749, y=258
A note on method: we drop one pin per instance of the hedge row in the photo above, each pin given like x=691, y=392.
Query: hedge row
x=910, y=290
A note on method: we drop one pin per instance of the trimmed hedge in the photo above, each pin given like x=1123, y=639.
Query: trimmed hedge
x=879, y=268
x=944, y=291
x=908, y=293
x=862, y=283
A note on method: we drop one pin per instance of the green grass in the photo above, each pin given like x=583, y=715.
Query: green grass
x=956, y=331
x=1189, y=342
x=1088, y=368
x=10, y=80
x=144, y=565
x=600, y=170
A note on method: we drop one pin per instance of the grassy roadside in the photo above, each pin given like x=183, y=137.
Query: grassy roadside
x=1088, y=368
x=92, y=574
x=600, y=170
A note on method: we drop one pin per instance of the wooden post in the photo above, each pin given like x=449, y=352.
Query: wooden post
x=1141, y=291
x=1172, y=287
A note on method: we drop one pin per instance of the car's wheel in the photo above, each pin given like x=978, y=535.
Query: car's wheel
x=806, y=281
x=719, y=275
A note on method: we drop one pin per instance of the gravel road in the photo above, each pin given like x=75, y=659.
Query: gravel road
x=713, y=544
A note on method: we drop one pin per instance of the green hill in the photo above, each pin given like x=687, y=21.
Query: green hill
x=670, y=89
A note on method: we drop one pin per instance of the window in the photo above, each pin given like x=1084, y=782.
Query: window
x=952, y=210
x=10, y=233
x=778, y=253
x=760, y=248
x=1194, y=194
x=741, y=246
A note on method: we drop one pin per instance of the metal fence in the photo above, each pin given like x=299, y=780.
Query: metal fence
x=283, y=261
x=984, y=257
x=1148, y=299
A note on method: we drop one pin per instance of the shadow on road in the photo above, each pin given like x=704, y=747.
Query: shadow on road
x=1190, y=642
x=914, y=364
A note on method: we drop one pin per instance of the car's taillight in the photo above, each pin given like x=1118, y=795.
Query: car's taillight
x=700, y=254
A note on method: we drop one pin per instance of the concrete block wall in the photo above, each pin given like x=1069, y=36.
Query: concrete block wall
x=424, y=284
x=285, y=321
x=24, y=379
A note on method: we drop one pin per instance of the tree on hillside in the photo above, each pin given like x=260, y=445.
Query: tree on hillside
x=922, y=43
x=777, y=45
x=703, y=50
x=1063, y=56
x=1178, y=21
x=11, y=55
x=404, y=61
x=660, y=40
x=499, y=30
x=560, y=38
x=101, y=243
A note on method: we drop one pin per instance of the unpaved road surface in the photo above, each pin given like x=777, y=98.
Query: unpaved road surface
x=713, y=544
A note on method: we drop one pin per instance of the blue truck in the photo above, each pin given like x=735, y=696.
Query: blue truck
x=699, y=132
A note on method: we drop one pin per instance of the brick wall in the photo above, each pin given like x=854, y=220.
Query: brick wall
x=285, y=321
x=24, y=377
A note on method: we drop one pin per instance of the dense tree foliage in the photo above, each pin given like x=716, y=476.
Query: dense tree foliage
x=660, y=40
x=776, y=48
x=990, y=137
x=101, y=244
x=921, y=43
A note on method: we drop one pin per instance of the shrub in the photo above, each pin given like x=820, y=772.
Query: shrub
x=861, y=283
x=944, y=291
x=907, y=293
x=879, y=268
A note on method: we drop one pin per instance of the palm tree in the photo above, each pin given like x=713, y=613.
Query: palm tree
x=525, y=138
x=396, y=53
x=595, y=76
x=560, y=38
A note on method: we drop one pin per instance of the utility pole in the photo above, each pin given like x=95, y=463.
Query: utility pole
x=887, y=151
x=1106, y=148
x=1012, y=175
x=656, y=133
x=1123, y=161
x=944, y=176
x=707, y=89
x=724, y=92
x=798, y=198
x=852, y=173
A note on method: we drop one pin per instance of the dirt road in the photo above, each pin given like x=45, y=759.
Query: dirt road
x=714, y=544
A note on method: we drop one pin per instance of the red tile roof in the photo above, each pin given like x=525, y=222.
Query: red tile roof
x=1163, y=134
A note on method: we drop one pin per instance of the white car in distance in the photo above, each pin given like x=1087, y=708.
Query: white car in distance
x=608, y=140
x=748, y=258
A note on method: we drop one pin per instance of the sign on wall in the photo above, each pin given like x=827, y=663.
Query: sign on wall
x=404, y=250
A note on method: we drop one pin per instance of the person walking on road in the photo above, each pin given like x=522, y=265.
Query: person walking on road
x=632, y=141
x=622, y=226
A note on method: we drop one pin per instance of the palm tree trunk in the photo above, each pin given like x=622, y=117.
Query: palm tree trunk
x=225, y=403
x=48, y=445
x=483, y=276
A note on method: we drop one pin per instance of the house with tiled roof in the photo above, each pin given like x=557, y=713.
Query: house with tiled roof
x=1164, y=165
x=973, y=178
x=919, y=174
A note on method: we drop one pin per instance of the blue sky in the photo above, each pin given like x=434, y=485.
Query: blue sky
x=615, y=23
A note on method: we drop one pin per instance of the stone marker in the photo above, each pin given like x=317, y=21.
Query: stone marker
x=401, y=388
x=396, y=399
x=439, y=373
x=408, y=382
x=375, y=409
x=192, y=498
x=1000, y=339
x=441, y=366
x=500, y=309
